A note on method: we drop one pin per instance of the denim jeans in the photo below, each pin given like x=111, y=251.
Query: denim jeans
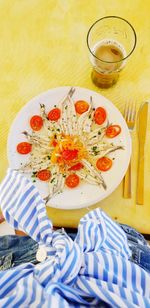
x=15, y=250
x=139, y=247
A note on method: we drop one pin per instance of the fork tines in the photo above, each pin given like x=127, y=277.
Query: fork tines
x=130, y=112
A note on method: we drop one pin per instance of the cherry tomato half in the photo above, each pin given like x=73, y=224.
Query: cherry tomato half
x=44, y=175
x=76, y=167
x=72, y=180
x=81, y=106
x=36, y=122
x=100, y=115
x=113, y=131
x=104, y=163
x=24, y=148
x=54, y=114
x=69, y=154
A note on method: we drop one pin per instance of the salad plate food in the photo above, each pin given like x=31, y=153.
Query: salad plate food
x=73, y=144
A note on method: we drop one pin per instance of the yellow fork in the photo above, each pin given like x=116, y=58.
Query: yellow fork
x=130, y=117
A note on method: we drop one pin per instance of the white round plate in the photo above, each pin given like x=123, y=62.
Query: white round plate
x=86, y=194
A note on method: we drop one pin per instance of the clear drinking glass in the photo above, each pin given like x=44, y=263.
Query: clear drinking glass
x=110, y=40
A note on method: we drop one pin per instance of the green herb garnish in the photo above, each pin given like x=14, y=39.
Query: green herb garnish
x=95, y=150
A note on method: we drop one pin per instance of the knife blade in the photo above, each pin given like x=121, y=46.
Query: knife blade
x=142, y=128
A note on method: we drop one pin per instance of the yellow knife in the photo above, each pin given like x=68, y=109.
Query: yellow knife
x=142, y=126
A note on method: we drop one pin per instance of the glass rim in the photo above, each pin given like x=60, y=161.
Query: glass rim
x=117, y=17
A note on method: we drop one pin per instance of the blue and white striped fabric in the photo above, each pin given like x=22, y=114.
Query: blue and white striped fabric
x=92, y=269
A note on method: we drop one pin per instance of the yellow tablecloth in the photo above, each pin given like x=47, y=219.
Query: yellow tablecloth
x=43, y=45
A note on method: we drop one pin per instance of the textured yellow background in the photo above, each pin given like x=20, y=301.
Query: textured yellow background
x=43, y=45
